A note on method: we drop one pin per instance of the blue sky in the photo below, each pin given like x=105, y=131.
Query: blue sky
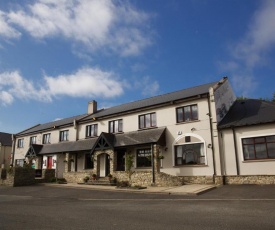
x=55, y=56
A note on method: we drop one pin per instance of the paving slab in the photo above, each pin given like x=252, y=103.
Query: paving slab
x=193, y=189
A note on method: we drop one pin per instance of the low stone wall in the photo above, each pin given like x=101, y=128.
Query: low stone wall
x=198, y=179
x=48, y=174
x=23, y=176
x=77, y=177
x=7, y=179
x=166, y=180
x=141, y=178
x=260, y=179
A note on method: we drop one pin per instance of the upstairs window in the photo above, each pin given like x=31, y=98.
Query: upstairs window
x=144, y=157
x=187, y=113
x=33, y=140
x=115, y=126
x=91, y=130
x=46, y=138
x=64, y=135
x=147, y=120
x=20, y=143
x=256, y=148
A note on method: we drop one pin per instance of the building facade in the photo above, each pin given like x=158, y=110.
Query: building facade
x=5, y=149
x=173, y=138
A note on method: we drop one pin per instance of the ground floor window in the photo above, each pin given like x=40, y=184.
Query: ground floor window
x=19, y=162
x=89, y=163
x=255, y=148
x=144, y=157
x=190, y=154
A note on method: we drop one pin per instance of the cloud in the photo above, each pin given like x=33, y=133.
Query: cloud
x=6, y=29
x=84, y=83
x=251, y=51
x=147, y=85
x=100, y=25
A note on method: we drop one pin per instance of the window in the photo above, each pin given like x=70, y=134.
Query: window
x=19, y=162
x=91, y=130
x=147, y=120
x=189, y=154
x=144, y=158
x=89, y=163
x=46, y=138
x=64, y=135
x=33, y=140
x=20, y=143
x=259, y=148
x=187, y=113
x=115, y=126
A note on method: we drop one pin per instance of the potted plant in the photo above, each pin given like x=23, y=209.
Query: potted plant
x=86, y=179
x=110, y=176
x=94, y=176
x=160, y=157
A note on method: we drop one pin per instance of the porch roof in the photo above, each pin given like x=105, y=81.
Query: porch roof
x=149, y=136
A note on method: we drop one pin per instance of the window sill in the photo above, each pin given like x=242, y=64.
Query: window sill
x=188, y=166
x=187, y=122
x=149, y=167
x=257, y=160
x=155, y=127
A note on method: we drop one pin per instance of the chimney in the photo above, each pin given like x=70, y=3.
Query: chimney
x=92, y=107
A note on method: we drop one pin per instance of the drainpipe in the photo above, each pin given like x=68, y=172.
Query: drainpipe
x=236, y=151
x=13, y=149
x=211, y=131
x=153, y=164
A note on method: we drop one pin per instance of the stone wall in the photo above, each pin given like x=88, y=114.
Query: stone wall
x=198, y=179
x=166, y=180
x=7, y=179
x=77, y=177
x=261, y=179
x=48, y=174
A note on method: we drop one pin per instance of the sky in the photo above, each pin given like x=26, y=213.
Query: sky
x=56, y=56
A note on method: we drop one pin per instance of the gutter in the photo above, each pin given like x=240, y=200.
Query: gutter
x=212, y=139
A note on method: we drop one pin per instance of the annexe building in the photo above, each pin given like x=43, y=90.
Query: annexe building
x=5, y=149
x=174, y=139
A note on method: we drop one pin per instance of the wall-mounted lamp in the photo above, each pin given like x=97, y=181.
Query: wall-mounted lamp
x=165, y=149
x=193, y=129
x=94, y=118
x=179, y=132
x=209, y=146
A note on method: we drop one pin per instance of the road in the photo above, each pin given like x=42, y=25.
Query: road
x=228, y=207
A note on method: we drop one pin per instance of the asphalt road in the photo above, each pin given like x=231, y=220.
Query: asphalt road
x=229, y=207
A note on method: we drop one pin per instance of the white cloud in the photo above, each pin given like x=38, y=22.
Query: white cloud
x=6, y=29
x=98, y=24
x=260, y=37
x=147, y=86
x=85, y=83
x=251, y=51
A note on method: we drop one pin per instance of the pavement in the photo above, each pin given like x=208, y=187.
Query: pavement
x=190, y=189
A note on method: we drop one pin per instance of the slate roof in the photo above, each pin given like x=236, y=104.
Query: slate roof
x=51, y=125
x=153, y=101
x=249, y=112
x=6, y=139
x=128, y=107
x=117, y=140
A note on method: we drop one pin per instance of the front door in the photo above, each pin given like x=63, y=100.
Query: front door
x=107, y=165
x=50, y=162
x=121, y=160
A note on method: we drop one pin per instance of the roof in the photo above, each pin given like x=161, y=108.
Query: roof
x=249, y=112
x=116, y=140
x=128, y=107
x=153, y=101
x=51, y=125
x=6, y=139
